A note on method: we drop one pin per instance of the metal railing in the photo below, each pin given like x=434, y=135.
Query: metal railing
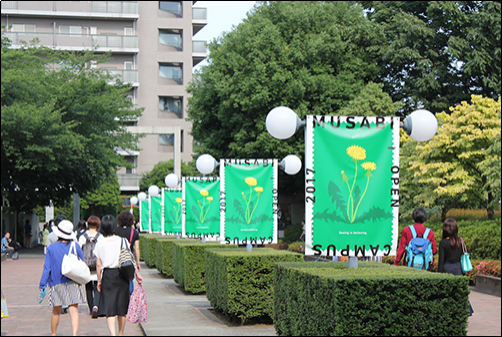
x=199, y=13
x=199, y=47
x=83, y=7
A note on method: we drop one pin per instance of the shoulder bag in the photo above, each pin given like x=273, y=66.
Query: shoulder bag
x=127, y=265
x=74, y=268
x=465, y=260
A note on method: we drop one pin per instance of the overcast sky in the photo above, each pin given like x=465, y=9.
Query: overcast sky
x=221, y=16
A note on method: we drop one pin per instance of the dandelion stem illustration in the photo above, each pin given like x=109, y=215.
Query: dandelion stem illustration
x=251, y=183
x=357, y=153
x=202, y=214
x=178, y=211
x=368, y=166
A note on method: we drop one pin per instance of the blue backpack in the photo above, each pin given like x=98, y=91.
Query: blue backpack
x=419, y=250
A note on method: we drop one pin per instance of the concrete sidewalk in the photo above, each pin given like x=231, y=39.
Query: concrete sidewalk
x=171, y=311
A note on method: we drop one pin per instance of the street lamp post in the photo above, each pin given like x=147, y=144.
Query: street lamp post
x=282, y=123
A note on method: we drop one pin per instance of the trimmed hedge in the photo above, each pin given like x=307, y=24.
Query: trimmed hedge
x=329, y=299
x=240, y=283
x=144, y=248
x=188, y=263
x=165, y=256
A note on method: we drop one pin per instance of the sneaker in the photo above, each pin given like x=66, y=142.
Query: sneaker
x=95, y=312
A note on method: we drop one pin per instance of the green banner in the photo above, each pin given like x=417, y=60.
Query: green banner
x=352, y=185
x=156, y=214
x=248, y=200
x=201, y=216
x=173, y=209
x=144, y=215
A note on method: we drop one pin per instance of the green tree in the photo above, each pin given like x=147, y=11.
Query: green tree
x=104, y=200
x=159, y=172
x=455, y=163
x=61, y=125
x=312, y=56
x=438, y=52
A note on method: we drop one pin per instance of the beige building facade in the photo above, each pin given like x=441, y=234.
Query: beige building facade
x=152, y=48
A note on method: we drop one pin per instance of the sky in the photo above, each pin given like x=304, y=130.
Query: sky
x=221, y=16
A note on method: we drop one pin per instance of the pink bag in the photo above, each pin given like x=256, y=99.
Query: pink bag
x=138, y=308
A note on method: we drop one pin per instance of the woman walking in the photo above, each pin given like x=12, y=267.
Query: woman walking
x=450, y=251
x=45, y=234
x=114, y=288
x=62, y=290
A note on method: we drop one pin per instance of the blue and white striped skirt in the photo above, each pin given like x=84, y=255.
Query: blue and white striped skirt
x=67, y=293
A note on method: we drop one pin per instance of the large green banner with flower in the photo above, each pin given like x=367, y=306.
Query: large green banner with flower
x=173, y=209
x=156, y=214
x=201, y=216
x=144, y=215
x=352, y=185
x=248, y=201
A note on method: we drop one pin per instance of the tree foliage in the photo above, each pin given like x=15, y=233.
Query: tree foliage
x=456, y=163
x=438, y=52
x=104, y=200
x=61, y=125
x=159, y=172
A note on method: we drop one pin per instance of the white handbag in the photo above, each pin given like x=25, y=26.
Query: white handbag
x=75, y=268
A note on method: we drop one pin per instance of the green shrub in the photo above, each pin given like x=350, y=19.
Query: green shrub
x=165, y=254
x=292, y=233
x=188, y=263
x=144, y=251
x=329, y=299
x=240, y=283
x=297, y=247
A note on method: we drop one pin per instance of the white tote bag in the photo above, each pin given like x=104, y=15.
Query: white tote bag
x=74, y=268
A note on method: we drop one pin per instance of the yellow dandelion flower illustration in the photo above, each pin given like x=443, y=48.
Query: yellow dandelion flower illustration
x=356, y=152
x=251, y=181
x=209, y=199
x=204, y=193
x=243, y=196
x=178, y=200
x=259, y=189
x=369, y=166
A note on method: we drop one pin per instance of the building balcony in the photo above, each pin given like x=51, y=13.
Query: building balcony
x=109, y=10
x=129, y=182
x=199, y=52
x=124, y=44
x=199, y=19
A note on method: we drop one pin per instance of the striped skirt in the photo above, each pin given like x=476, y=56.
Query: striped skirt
x=67, y=293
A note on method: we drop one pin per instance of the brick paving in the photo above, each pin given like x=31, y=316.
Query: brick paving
x=20, y=280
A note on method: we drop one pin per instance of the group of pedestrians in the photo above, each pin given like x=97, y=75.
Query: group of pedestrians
x=107, y=294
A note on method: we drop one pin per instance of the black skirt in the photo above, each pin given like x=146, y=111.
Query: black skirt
x=114, y=299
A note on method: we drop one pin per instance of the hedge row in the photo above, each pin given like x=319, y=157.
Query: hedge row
x=165, y=254
x=329, y=299
x=240, y=283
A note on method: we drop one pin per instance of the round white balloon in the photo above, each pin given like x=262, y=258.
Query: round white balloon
x=424, y=125
x=153, y=191
x=281, y=122
x=292, y=164
x=205, y=164
x=172, y=180
x=134, y=201
x=141, y=196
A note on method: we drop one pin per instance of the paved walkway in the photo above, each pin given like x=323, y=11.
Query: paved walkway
x=171, y=311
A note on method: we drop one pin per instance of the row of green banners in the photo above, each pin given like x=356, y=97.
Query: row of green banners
x=241, y=207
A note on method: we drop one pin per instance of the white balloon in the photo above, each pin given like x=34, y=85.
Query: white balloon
x=134, y=200
x=141, y=196
x=172, y=180
x=206, y=164
x=281, y=122
x=291, y=164
x=153, y=191
x=423, y=125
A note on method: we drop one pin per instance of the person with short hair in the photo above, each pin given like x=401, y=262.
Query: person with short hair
x=27, y=233
x=62, y=290
x=6, y=247
x=114, y=288
x=419, y=215
x=125, y=221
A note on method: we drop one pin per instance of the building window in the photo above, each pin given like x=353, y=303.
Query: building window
x=167, y=139
x=171, y=71
x=171, y=38
x=171, y=104
x=182, y=140
x=172, y=7
x=130, y=160
x=22, y=28
x=70, y=30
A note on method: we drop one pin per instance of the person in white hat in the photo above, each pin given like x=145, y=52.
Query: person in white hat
x=61, y=289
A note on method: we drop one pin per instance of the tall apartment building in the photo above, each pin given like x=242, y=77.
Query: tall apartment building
x=152, y=48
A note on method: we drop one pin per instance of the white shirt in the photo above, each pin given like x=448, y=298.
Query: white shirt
x=108, y=250
x=51, y=238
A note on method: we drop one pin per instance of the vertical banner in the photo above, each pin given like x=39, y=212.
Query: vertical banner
x=144, y=215
x=248, y=201
x=173, y=209
x=156, y=212
x=352, y=185
x=201, y=214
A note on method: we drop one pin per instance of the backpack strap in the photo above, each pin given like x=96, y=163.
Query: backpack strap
x=427, y=231
x=87, y=239
x=413, y=232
